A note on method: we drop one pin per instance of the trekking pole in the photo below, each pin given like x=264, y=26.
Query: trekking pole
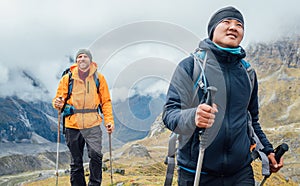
x=110, y=158
x=279, y=151
x=57, y=147
x=210, y=99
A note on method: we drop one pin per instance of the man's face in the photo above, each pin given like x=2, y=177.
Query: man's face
x=83, y=62
x=228, y=33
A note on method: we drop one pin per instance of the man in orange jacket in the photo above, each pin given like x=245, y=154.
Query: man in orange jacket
x=82, y=117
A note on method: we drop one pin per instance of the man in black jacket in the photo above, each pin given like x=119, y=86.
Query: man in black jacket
x=227, y=159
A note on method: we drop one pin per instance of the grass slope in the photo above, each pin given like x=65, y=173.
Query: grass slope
x=151, y=171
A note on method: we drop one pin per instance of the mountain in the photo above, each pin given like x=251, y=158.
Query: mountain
x=20, y=119
x=134, y=116
x=278, y=69
x=33, y=123
x=277, y=66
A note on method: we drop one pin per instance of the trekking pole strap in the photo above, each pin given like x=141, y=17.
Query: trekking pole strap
x=170, y=159
x=265, y=164
x=170, y=171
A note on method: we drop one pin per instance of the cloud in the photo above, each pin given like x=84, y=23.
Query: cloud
x=38, y=35
x=153, y=89
x=23, y=84
x=3, y=74
x=119, y=94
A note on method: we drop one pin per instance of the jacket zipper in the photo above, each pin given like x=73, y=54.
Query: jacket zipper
x=227, y=132
x=86, y=85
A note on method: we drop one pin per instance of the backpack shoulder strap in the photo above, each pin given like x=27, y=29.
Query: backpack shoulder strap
x=200, y=58
x=66, y=71
x=250, y=72
x=256, y=145
x=97, y=81
x=199, y=78
x=70, y=86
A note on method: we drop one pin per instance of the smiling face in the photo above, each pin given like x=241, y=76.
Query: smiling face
x=228, y=33
x=83, y=62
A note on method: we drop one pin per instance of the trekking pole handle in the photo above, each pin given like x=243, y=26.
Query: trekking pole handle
x=280, y=150
x=211, y=95
x=61, y=109
x=210, y=99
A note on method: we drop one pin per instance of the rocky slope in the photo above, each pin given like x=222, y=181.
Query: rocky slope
x=278, y=69
x=141, y=163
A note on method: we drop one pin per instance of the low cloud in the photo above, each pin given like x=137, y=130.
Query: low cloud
x=3, y=74
x=39, y=34
x=119, y=94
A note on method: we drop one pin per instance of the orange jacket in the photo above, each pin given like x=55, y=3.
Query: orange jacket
x=84, y=96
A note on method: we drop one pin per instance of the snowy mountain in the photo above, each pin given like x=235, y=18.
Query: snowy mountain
x=21, y=119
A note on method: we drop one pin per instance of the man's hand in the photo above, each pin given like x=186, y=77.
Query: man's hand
x=275, y=166
x=109, y=128
x=205, y=115
x=59, y=103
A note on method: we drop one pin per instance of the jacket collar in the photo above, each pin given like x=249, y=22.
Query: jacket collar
x=74, y=69
x=221, y=55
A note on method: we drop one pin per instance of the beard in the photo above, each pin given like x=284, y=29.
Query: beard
x=83, y=66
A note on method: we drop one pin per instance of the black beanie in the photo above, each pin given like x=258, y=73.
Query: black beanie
x=84, y=51
x=224, y=13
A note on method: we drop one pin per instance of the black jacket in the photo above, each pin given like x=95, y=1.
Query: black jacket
x=227, y=145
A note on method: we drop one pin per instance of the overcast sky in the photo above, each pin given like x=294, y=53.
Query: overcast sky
x=38, y=35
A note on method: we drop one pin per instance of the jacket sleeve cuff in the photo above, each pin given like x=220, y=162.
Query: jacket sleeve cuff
x=268, y=150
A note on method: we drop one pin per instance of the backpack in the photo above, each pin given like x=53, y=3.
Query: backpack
x=200, y=58
x=68, y=110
